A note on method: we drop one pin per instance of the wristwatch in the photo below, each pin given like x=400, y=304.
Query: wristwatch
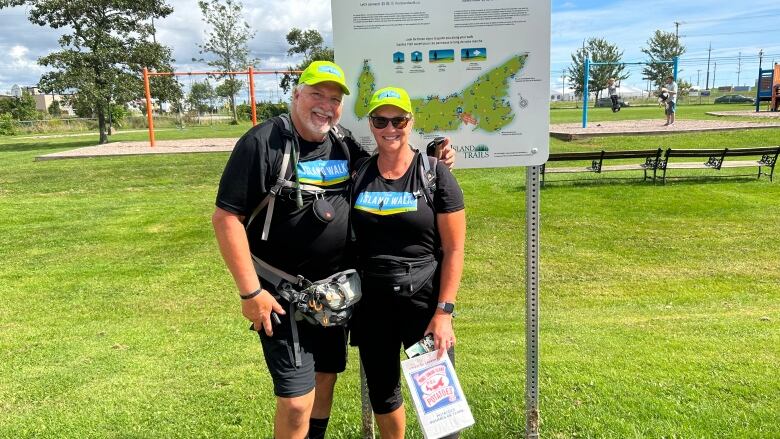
x=447, y=307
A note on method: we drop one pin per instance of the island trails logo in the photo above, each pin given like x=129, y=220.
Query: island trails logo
x=473, y=151
x=434, y=387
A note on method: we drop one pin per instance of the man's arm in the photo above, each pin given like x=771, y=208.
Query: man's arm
x=444, y=151
x=234, y=246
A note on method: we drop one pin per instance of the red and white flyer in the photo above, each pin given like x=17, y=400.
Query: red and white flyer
x=438, y=398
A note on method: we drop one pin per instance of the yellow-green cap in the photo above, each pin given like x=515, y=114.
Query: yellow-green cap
x=394, y=96
x=323, y=71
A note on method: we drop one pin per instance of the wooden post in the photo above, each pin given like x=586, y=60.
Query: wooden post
x=149, y=117
x=252, y=94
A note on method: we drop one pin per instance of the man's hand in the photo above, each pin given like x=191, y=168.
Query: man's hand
x=258, y=310
x=445, y=153
x=443, y=334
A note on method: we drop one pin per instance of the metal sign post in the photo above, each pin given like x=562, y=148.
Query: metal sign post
x=366, y=410
x=532, y=302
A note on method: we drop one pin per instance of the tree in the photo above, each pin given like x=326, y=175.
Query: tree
x=228, y=90
x=662, y=46
x=201, y=97
x=227, y=42
x=54, y=109
x=308, y=43
x=21, y=108
x=599, y=50
x=104, y=50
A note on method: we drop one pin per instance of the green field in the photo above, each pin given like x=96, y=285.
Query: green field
x=660, y=305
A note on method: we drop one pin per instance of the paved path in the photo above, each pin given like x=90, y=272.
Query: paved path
x=566, y=131
x=142, y=148
x=571, y=131
x=747, y=113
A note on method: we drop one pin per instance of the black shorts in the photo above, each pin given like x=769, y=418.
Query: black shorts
x=321, y=350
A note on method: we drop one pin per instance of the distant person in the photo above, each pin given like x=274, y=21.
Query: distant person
x=612, y=88
x=671, y=101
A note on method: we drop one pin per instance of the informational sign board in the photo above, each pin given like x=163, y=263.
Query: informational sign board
x=477, y=72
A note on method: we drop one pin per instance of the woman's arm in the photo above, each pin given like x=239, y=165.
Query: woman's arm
x=452, y=232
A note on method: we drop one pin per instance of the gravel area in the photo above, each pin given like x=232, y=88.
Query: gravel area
x=142, y=148
x=570, y=131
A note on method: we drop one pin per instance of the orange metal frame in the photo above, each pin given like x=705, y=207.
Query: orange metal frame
x=251, y=73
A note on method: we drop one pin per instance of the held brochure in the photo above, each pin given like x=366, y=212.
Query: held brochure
x=438, y=398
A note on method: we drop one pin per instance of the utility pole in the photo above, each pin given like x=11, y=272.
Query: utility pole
x=714, y=69
x=739, y=66
x=697, y=76
x=760, y=57
x=563, y=89
x=154, y=32
x=677, y=31
x=709, y=52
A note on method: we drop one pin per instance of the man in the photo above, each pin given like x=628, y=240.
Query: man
x=297, y=242
x=671, y=101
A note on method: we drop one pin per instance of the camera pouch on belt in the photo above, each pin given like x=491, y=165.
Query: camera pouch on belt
x=403, y=277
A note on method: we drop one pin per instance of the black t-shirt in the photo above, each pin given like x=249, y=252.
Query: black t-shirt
x=392, y=217
x=298, y=243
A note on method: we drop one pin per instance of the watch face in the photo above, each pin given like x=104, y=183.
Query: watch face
x=447, y=307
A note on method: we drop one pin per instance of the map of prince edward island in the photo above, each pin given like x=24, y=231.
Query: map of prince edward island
x=484, y=103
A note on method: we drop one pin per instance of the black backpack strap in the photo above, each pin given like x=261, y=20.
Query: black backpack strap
x=338, y=135
x=281, y=179
x=428, y=176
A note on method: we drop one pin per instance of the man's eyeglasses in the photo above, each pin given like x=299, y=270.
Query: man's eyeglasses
x=380, y=122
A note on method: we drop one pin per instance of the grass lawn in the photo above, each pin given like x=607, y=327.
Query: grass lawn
x=660, y=305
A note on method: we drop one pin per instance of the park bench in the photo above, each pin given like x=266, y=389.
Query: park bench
x=597, y=158
x=722, y=158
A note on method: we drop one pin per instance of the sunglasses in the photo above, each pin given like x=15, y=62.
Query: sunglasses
x=380, y=122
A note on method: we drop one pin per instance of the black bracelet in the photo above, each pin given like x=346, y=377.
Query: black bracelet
x=251, y=295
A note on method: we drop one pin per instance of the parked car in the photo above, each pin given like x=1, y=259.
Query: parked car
x=734, y=99
x=607, y=102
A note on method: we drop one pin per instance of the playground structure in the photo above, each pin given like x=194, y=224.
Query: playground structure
x=588, y=63
x=768, y=89
x=251, y=72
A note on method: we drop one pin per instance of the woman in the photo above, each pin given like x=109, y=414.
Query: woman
x=410, y=248
x=613, y=94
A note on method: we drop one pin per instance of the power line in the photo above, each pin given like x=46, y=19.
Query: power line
x=731, y=18
x=728, y=33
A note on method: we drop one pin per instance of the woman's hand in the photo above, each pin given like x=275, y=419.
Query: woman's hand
x=441, y=329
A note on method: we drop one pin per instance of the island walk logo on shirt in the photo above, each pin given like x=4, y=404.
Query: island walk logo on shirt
x=386, y=203
x=323, y=172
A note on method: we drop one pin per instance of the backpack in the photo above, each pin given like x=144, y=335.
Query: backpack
x=282, y=180
x=326, y=302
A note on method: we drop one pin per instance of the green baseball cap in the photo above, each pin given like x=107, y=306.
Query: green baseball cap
x=323, y=71
x=394, y=96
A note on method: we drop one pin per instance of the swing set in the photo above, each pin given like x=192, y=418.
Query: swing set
x=250, y=73
x=586, y=75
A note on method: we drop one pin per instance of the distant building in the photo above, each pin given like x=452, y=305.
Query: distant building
x=43, y=100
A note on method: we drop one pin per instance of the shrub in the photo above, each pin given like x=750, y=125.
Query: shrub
x=7, y=125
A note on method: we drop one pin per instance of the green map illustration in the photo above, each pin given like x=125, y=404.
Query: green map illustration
x=484, y=103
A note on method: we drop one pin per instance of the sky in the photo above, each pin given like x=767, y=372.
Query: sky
x=736, y=35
